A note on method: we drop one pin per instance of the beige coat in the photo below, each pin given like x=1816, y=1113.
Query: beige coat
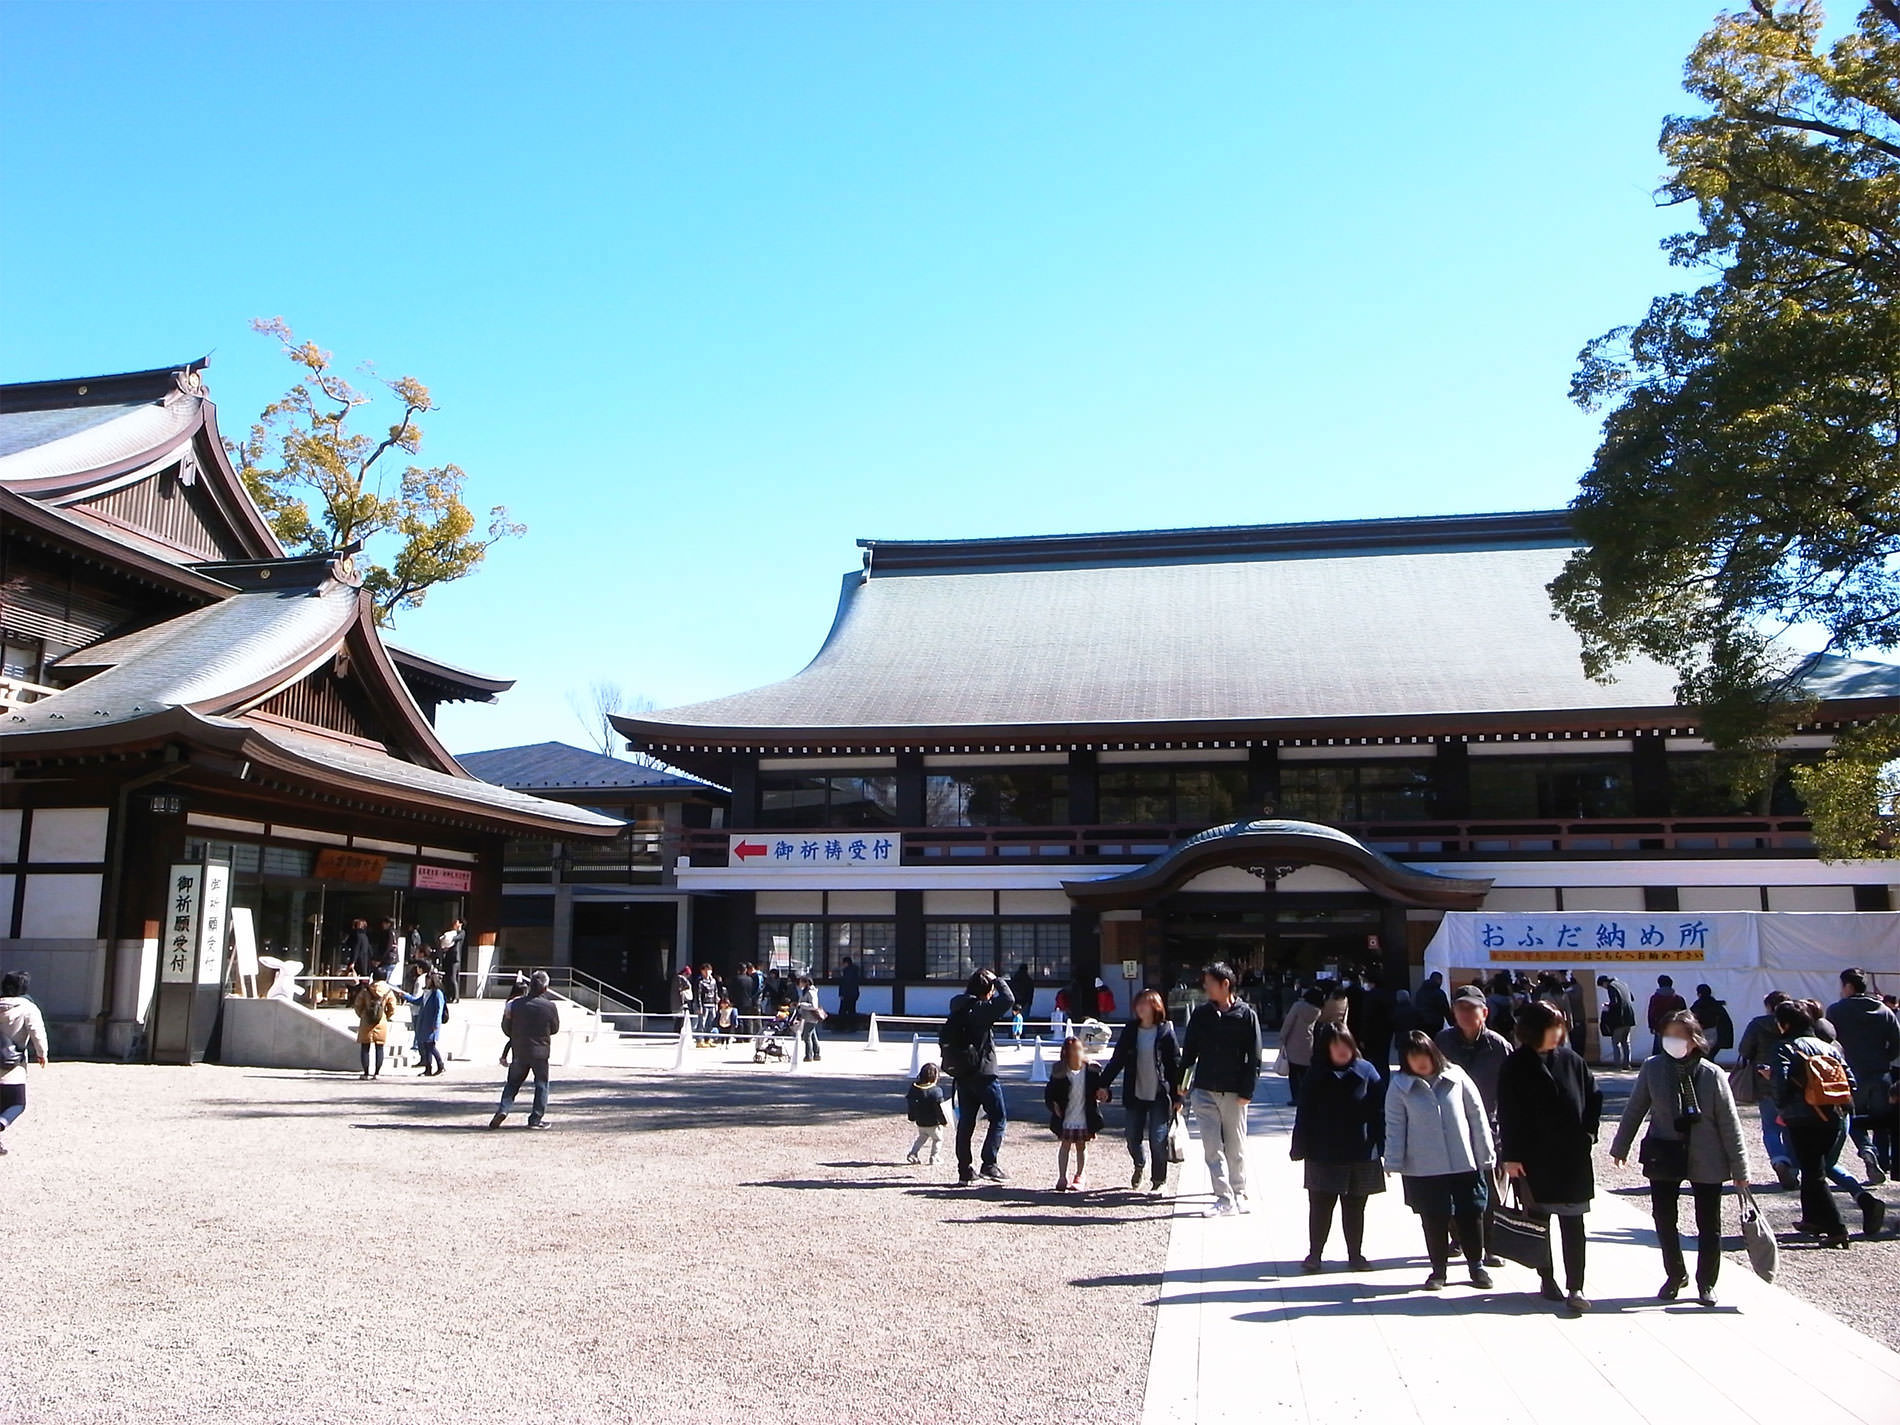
x=373, y=1027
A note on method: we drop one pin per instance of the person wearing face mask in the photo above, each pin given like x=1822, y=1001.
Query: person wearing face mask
x=1695, y=1136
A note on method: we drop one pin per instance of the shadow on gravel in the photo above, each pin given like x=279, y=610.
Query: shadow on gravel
x=646, y=1105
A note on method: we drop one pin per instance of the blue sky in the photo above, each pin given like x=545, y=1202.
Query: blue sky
x=708, y=291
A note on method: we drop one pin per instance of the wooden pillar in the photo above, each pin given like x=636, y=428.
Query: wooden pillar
x=1451, y=781
x=1085, y=798
x=1263, y=781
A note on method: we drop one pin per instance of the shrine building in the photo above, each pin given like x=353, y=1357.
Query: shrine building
x=206, y=747
x=1292, y=747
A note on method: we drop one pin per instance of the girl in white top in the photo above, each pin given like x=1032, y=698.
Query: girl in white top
x=1074, y=1096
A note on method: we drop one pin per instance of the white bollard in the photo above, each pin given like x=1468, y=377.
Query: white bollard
x=916, y=1055
x=685, y=1044
x=1038, y=1067
x=798, y=1049
x=871, y=1045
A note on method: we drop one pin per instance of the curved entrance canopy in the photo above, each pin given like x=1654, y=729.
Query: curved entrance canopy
x=1271, y=848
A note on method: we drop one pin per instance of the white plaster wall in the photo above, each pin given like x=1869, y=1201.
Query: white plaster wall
x=1521, y=898
x=1606, y=898
x=68, y=834
x=1810, y=898
x=60, y=907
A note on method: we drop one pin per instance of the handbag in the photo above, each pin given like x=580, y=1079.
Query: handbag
x=1742, y=1083
x=1664, y=1159
x=1764, y=1253
x=1177, y=1141
x=1519, y=1235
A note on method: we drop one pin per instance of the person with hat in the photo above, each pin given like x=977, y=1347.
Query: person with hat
x=530, y=1022
x=1472, y=1045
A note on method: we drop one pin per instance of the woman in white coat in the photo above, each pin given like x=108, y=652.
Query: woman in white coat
x=1438, y=1139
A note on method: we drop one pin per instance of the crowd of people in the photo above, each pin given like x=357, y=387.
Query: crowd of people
x=431, y=972
x=1476, y=1100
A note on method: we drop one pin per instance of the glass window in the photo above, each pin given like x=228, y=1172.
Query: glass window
x=288, y=861
x=1336, y=792
x=791, y=801
x=1043, y=945
x=1703, y=784
x=872, y=943
x=1027, y=796
x=1172, y=796
x=797, y=945
x=957, y=949
x=1556, y=787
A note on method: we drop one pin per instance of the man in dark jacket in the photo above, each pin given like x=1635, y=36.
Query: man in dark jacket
x=1617, y=1019
x=1022, y=984
x=968, y=1044
x=1480, y=1051
x=1371, y=1021
x=530, y=1023
x=1712, y=1014
x=357, y=949
x=1761, y=1041
x=849, y=982
x=1869, y=1037
x=1222, y=1060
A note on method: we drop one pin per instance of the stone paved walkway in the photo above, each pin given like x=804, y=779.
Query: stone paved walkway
x=1243, y=1334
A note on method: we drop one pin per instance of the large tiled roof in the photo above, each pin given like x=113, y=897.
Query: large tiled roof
x=555, y=766
x=1265, y=628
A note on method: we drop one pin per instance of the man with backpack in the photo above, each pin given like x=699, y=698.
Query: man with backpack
x=1814, y=1092
x=967, y=1049
x=22, y=1034
x=1869, y=1036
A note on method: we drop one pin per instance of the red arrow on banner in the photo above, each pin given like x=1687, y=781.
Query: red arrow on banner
x=750, y=848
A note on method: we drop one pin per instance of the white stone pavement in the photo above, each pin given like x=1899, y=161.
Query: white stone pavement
x=1242, y=1334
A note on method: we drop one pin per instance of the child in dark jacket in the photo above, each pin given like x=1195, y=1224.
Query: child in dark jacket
x=1074, y=1096
x=923, y=1106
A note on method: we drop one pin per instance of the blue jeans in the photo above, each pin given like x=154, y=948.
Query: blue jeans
x=518, y=1070
x=12, y=1103
x=983, y=1094
x=1836, y=1174
x=1771, y=1135
x=1147, y=1123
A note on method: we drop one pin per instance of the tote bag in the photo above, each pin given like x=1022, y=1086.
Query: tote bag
x=1517, y=1234
x=1764, y=1253
x=1177, y=1141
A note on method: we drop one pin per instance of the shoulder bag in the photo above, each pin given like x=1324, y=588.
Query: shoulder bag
x=1764, y=1254
x=1743, y=1082
x=1517, y=1234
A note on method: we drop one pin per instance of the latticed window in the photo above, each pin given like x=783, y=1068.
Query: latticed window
x=795, y=944
x=957, y=949
x=1043, y=945
x=872, y=943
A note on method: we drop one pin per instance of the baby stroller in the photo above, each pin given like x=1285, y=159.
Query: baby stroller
x=774, y=1039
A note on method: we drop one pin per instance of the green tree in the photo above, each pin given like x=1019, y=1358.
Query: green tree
x=1748, y=481
x=323, y=485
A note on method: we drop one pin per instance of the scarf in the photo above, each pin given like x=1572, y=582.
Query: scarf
x=1688, y=1107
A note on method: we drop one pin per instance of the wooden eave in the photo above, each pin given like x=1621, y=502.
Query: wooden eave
x=96, y=547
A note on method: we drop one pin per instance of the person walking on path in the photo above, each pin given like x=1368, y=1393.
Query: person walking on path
x=679, y=996
x=1148, y=1050
x=849, y=983
x=1296, y=1040
x=705, y=1005
x=1695, y=1136
x=1812, y=1087
x=1431, y=1004
x=1437, y=1141
x=1761, y=1040
x=22, y=1038
x=1549, y=1109
x=967, y=1046
x=431, y=1012
x=1221, y=1059
x=747, y=986
x=530, y=1022
x=1869, y=1036
x=358, y=950
x=1662, y=1004
x=923, y=1106
x=1718, y=1030
x=1472, y=1045
x=1339, y=1134
x=810, y=1015
x=374, y=1004
x=1074, y=1096
x=1616, y=1019
x=448, y=959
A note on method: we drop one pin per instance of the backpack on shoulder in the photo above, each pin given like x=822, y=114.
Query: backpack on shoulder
x=1827, y=1088
x=957, y=1043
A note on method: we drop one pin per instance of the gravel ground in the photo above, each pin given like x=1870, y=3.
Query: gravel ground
x=1856, y=1286
x=247, y=1244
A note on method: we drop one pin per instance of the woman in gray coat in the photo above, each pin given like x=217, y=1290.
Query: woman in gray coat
x=1438, y=1139
x=1695, y=1136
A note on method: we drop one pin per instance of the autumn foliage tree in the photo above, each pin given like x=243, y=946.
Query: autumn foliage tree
x=325, y=485
x=1748, y=481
